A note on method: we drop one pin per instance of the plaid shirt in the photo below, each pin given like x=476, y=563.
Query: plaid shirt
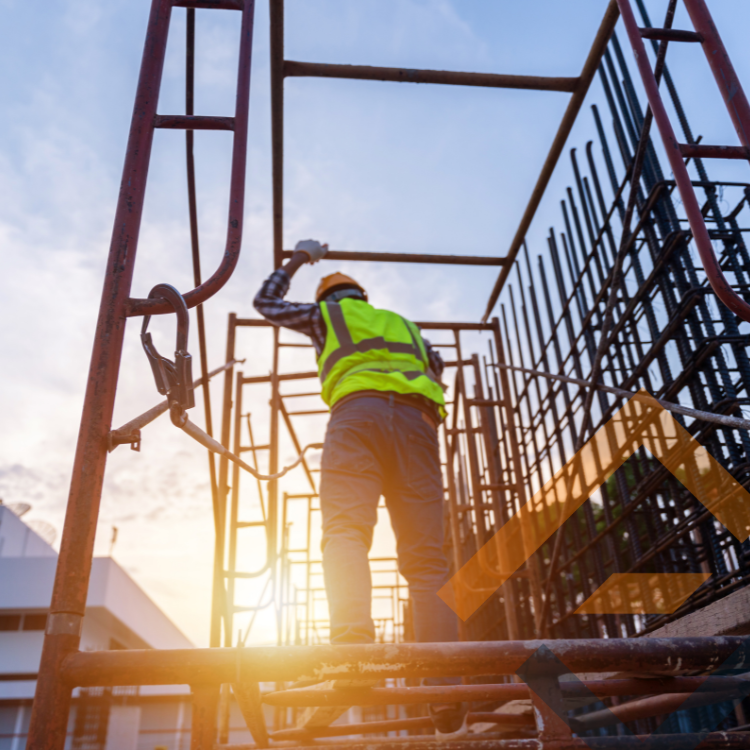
x=306, y=317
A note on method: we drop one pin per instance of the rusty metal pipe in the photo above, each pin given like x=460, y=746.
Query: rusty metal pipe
x=62, y=637
x=276, y=12
x=724, y=740
x=294, y=69
x=670, y=35
x=429, y=325
x=252, y=322
x=306, y=697
x=706, y=416
x=721, y=66
x=394, y=725
x=49, y=716
x=204, y=716
x=210, y=4
x=740, y=117
x=449, y=260
x=655, y=705
x=215, y=446
x=193, y=122
x=129, y=429
x=706, y=151
x=669, y=656
x=281, y=378
x=219, y=610
x=231, y=255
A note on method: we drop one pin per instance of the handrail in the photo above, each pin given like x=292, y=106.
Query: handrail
x=711, y=265
x=223, y=273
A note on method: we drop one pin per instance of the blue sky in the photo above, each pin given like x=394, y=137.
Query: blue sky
x=369, y=166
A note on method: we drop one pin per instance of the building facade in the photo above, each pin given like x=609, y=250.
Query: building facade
x=119, y=615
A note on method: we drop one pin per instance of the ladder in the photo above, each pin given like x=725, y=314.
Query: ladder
x=707, y=35
x=49, y=717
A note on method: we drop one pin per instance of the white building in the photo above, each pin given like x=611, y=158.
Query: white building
x=119, y=615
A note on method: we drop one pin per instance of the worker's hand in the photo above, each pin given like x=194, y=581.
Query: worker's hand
x=312, y=248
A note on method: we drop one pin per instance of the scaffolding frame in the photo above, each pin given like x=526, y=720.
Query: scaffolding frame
x=486, y=472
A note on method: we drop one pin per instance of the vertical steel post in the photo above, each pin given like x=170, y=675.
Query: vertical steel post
x=273, y=466
x=515, y=452
x=477, y=495
x=204, y=722
x=219, y=599
x=225, y=709
x=234, y=514
x=450, y=439
x=49, y=716
x=509, y=597
x=308, y=577
x=277, y=125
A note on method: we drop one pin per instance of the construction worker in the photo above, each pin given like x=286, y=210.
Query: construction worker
x=380, y=379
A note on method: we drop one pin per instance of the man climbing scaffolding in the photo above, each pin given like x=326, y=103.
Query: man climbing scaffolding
x=380, y=379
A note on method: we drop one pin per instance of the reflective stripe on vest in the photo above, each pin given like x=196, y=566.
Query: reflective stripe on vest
x=395, y=366
x=395, y=360
x=347, y=347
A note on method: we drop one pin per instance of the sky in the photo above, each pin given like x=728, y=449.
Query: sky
x=369, y=166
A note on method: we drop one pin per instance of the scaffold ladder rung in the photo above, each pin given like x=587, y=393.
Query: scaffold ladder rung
x=739, y=111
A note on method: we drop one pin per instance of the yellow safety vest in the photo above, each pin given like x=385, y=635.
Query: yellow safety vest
x=368, y=349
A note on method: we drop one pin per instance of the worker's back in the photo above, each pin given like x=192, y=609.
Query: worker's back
x=370, y=349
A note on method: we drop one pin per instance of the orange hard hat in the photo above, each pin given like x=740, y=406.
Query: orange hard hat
x=334, y=282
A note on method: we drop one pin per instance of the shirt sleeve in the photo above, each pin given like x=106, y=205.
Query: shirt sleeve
x=436, y=361
x=270, y=303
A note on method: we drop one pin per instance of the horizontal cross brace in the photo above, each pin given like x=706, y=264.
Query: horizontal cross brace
x=246, y=448
x=671, y=35
x=290, y=376
x=449, y=260
x=210, y=4
x=241, y=574
x=705, y=151
x=426, y=325
x=449, y=77
x=193, y=122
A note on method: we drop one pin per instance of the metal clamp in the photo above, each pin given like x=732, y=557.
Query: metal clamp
x=64, y=623
x=173, y=379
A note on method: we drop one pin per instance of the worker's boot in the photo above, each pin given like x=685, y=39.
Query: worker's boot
x=449, y=718
x=323, y=716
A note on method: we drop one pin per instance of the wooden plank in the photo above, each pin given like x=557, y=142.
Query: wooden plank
x=728, y=616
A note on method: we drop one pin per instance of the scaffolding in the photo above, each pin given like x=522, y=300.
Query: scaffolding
x=620, y=307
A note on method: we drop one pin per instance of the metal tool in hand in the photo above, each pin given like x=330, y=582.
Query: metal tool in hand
x=173, y=379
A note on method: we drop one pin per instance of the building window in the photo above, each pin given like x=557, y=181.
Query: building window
x=34, y=622
x=10, y=622
x=91, y=719
x=31, y=621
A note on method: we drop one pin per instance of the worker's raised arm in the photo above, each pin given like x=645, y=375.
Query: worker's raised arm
x=305, y=251
x=303, y=317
